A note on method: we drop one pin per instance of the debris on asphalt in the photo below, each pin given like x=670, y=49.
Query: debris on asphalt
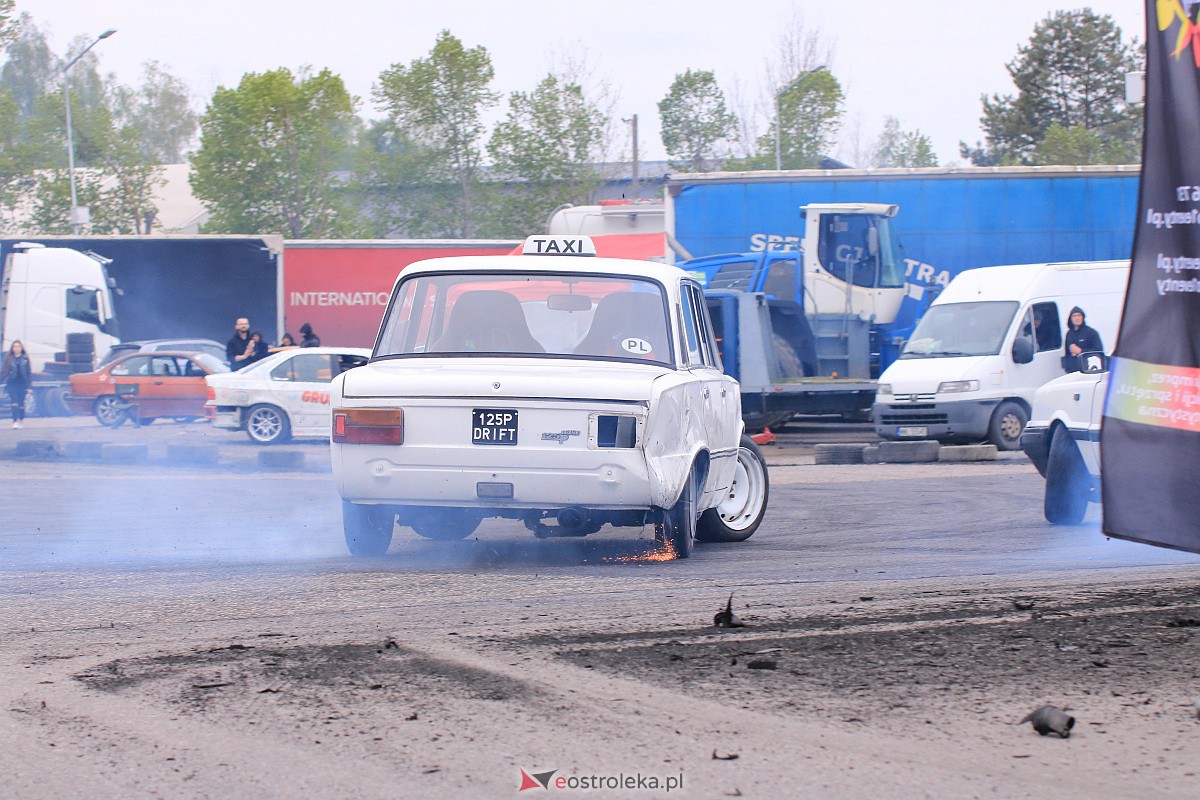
x=726, y=757
x=725, y=618
x=210, y=685
x=1050, y=719
x=763, y=663
x=1023, y=605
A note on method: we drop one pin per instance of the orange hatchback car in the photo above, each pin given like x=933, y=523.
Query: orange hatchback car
x=141, y=387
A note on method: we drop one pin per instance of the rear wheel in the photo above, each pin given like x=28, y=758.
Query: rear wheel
x=677, y=525
x=738, y=516
x=443, y=524
x=267, y=424
x=1068, y=485
x=111, y=411
x=368, y=529
x=1008, y=420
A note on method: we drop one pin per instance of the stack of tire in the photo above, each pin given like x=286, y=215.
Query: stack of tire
x=80, y=356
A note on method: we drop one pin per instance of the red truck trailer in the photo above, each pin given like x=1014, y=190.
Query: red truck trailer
x=341, y=286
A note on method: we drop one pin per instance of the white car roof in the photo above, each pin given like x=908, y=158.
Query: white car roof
x=666, y=273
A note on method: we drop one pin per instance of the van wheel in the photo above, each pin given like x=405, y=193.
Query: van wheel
x=368, y=529
x=738, y=516
x=676, y=526
x=266, y=424
x=1068, y=485
x=1008, y=420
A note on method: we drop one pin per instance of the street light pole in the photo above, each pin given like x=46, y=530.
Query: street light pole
x=803, y=76
x=76, y=222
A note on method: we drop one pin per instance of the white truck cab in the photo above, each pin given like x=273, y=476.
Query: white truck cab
x=50, y=292
x=987, y=343
x=1062, y=439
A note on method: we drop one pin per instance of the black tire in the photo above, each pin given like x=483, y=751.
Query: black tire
x=738, y=516
x=676, y=526
x=790, y=366
x=368, y=529
x=1068, y=485
x=1008, y=420
x=81, y=358
x=110, y=411
x=81, y=343
x=442, y=524
x=53, y=403
x=268, y=424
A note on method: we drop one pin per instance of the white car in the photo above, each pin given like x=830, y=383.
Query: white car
x=283, y=396
x=1062, y=439
x=556, y=388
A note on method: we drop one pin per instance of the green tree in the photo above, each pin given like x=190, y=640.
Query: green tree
x=898, y=148
x=695, y=121
x=808, y=115
x=8, y=25
x=397, y=191
x=1071, y=73
x=30, y=71
x=159, y=111
x=544, y=150
x=439, y=102
x=268, y=150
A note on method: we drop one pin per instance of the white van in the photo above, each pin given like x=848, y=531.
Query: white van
x=988, y=342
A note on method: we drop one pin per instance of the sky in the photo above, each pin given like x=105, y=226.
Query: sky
x=925, y=62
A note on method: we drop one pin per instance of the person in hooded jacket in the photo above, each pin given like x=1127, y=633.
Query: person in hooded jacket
x=16, y=374
x=310, y=339
x=1080, y=339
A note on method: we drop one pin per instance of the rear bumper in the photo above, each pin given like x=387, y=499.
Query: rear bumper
x=228, y=417
x=944, y=420
x=413, y=475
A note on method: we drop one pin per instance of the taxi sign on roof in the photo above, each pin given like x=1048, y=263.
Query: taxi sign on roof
x=559, y=246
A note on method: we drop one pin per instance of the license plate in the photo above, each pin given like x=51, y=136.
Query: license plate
x=912, y=430
x=494, y=426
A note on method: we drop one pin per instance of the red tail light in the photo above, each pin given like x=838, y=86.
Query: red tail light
x=212, y=394
x=368, y=425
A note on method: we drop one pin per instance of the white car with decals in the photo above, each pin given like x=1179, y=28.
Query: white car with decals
x=282, y=396
x=566, y=392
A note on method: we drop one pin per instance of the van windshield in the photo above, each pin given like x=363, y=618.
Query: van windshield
x=961, y=329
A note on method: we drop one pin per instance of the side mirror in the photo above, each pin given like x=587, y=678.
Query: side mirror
x=1022, y=350
x=1093, y=363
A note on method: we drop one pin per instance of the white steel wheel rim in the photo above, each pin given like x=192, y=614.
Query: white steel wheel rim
x=744, y=500
x=1010, y=426
x=265, y=424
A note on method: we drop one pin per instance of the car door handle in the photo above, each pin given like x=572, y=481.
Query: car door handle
x=706, y=393
x=158, y=383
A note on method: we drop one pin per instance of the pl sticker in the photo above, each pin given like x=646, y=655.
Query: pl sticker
x=638, y=347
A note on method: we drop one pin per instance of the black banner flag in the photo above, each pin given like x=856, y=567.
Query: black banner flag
x=1150, y=456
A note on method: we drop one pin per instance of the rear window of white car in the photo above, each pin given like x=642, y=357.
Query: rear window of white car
x=528, y=314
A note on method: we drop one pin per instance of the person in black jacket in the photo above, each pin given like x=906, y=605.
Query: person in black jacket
x=1080, y=339
x=16, y=373
x=310, y=339
x=239, y=350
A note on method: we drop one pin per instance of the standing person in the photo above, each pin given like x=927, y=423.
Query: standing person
x=238, y=350
x=310, y=339
x=1080, y=339
x=286, y=343
x=258, y=348
x=16, y=373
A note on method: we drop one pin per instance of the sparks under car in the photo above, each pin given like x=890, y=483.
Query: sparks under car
x=283, y=396
x=555, y=388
